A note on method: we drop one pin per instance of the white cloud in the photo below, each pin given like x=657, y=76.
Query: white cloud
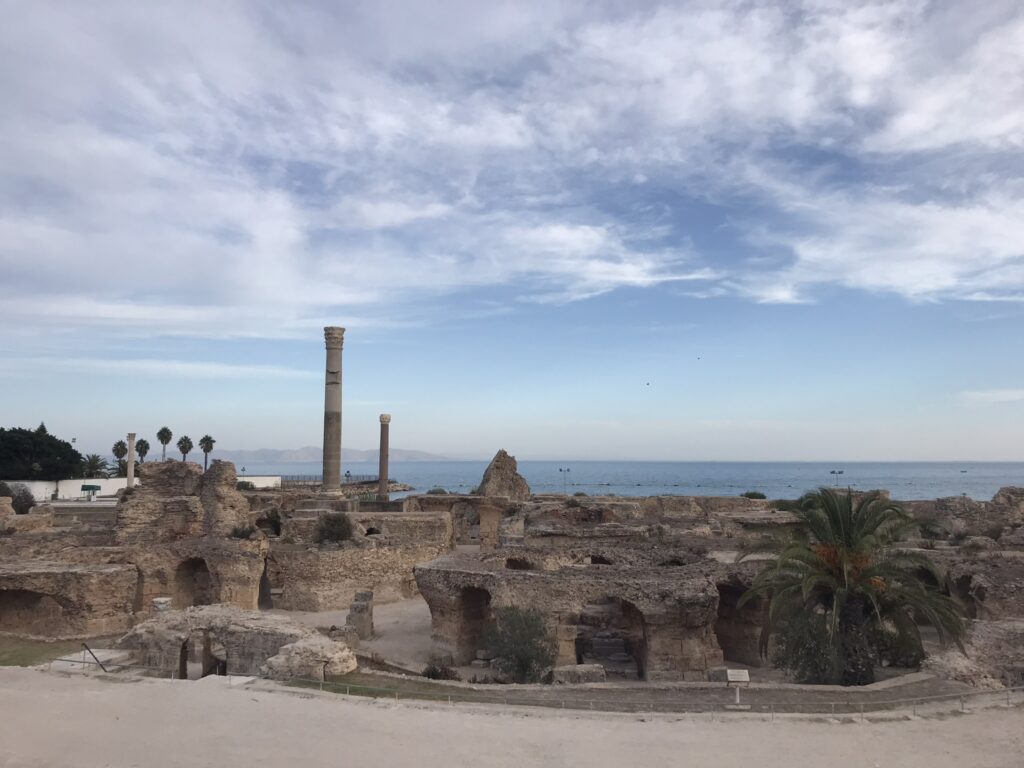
x=158, y=368
x=994, y=396
x=246, y=170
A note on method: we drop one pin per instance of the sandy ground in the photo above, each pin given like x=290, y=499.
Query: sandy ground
x=51, y=720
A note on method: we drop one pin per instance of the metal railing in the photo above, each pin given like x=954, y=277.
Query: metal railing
x=298, y=481
x=935, y=704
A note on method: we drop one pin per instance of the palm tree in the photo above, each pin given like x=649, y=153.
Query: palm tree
x=164, y=435
x=206, y=443
x=841, y=596
x=142, y=448
x=184, y=445
x=120, y=450
x=94, y=465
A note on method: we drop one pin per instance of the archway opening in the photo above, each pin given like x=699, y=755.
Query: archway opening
x=612, y=633
x=738, y=630
x=193, y=584
x=518, y=564
x=477, y=617
x=371, y=531
x=24, y=612
x=599, y=560
x=265, y=601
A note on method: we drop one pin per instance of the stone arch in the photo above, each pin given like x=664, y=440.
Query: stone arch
x=372, y=531
x=193, y=584
x=475, y=618
x=612, y=632
x=599, y=560
x=738, y=630
x=26, y=612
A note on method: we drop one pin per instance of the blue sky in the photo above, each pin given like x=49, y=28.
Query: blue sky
x=732, y=230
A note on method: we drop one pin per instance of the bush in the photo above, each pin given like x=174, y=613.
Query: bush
x=333, y=527
x=242, y=531
x=437, y=492
x=804, y=650
x=786, y=505
x=5, y=489
x=994, y=532
x=573, y=502
x=440, y=672
x=245, y=485
x=579, y=493
x=21, y=499
x=753, y=495
x=521, y=645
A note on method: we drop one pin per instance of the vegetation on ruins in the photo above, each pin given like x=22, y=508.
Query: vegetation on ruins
x=843, y=598
x=437, y=492
x=184, y=446
x=142, y=448
x=164, y=437
x=35, y=454
x=522, y=647
x=94, y=466
x=440, y=672
x=245, y=485
x=333, y=527
x=753, y=495
x=206, y=446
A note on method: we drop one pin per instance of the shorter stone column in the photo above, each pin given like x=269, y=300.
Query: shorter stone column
x=382, y=466
x=131, y=459
x=360, y=614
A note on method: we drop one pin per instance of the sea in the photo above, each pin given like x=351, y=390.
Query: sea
x=777, y=480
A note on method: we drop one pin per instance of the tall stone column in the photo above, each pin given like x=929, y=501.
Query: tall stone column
x=382, y=480
x=334, y=339
x=131, y=459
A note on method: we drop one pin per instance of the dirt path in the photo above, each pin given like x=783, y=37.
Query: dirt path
x=49, y=720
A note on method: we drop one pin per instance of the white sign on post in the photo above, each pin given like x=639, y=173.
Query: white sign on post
x=737, y=675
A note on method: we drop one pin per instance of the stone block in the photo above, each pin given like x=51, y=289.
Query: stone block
x=573, y=674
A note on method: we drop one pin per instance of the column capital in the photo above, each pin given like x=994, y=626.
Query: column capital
x=334, y=337
x=131, y=435
x=385, y=418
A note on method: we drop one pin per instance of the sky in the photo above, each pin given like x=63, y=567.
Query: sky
x=586, y=230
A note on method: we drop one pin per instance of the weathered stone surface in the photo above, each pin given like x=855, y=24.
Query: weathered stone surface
x=6, y=507
x=573, y=674
x=243, y=640
x=502, y=478
x=995, y=655
x=51, y=599
x=312, y=658
x=360, y=614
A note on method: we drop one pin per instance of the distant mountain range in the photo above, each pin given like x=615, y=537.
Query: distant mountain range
x=315, y=453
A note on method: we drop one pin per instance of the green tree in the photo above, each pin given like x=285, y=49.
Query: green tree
x=521, y=644
x=206, y=444
x=94, y=465
x=27, y=454
x=164, y=435
x=142, y=448
x=120, y=450
x=184, y=446
x=842, y=595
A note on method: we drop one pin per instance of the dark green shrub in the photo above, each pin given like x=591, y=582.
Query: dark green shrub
x=5, y=489
x=245, y=485
x=242, y=531
x=804, y=650
x=573, y=502
x=786, y=505
x=22, y=499
x=333, y=527
x=437, y=492
x=579, y=493
x=753, y=495
x=521, y=645
x=440, y=672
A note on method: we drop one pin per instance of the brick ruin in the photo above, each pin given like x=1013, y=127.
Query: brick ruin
x=190, y=538
x=648, y=588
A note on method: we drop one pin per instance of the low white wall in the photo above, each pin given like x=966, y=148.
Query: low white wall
x=42, y=490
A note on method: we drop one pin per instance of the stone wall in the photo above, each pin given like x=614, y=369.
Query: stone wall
x=56, y=600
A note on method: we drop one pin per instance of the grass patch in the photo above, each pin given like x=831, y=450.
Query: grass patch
x=18, y=652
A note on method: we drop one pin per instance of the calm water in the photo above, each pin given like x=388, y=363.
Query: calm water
x=637, y=478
